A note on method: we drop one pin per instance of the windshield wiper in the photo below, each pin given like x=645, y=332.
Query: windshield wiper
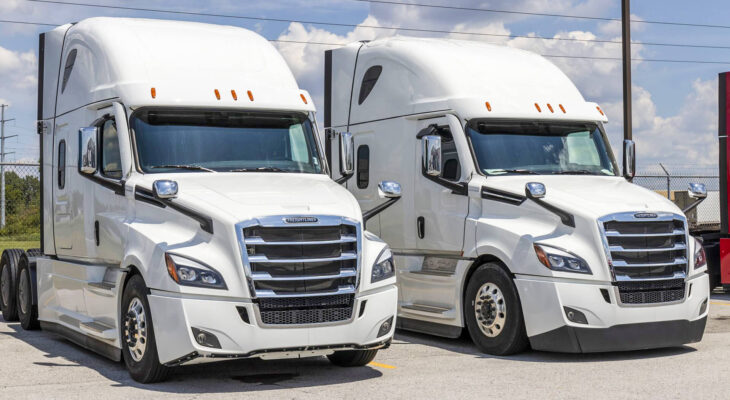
x=575, y=172
x=260, y=169
x=513, y=171
x=183, y=166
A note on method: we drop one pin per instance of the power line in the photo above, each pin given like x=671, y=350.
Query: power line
x=392, y=28
x=493, y=10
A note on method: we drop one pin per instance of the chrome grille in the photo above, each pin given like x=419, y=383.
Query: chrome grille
x=647, y=251
x=301, y=272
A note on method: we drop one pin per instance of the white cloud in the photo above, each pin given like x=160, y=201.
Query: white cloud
x=17, y=69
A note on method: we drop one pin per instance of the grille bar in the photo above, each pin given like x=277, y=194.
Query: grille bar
x=265, y=276
x=261, y=242
x=264, y=259
x=622, y=263
x=676, y=232
x=677, y=246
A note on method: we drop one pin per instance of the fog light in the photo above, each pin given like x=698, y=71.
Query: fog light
x=575, y=316
x=206, y=339
x=385, y=327
x=703, y=307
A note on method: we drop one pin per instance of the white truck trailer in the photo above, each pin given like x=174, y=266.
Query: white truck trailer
x=187, y=213
x=515, y=221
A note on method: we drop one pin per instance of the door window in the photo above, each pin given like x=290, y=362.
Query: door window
x=111, y=164
x=363, y=166
x=450, y=167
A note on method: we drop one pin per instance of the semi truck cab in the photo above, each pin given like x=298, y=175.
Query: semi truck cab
x=516, y=222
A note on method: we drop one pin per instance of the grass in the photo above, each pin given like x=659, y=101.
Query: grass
x=19, y=244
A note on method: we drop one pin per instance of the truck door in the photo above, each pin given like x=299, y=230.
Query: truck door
x=63, y=210
x=441, y=211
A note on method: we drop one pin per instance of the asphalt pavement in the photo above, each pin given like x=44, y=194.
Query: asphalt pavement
x=40, y=365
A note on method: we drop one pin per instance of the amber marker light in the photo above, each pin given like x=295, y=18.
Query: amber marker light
x=550, y=108
x=561, y=108
x=600, y=111
x=540, y=256
x=153, y=92
x=235, y=96
x=171, y=268
x=489, y=106
x=217, y=94
x=538, y=107
x=304, y=98
x=250, y=95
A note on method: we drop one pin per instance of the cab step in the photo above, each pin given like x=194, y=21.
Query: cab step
x=99, y=330
x=426, y=308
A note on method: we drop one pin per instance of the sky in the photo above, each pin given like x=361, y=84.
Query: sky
x=674, y=104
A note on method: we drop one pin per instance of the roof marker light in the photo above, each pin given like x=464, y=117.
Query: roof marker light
x=250, y=95
x=153, y=92
x=562, y=108
x=489, y=106
x=600, y=111
x=217, y=94
x=550, y=108
x=304, y=99
x=538, y=107
x=235, y=96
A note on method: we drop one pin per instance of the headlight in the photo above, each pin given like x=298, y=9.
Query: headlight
x=187, y=272
x=384, y=268
x=560, y=260
x=700, y=256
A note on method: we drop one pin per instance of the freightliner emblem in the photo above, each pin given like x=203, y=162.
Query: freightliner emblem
x=300, y=220
x=645, y=215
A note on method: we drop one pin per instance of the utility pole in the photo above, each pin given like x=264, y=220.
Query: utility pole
x=2, y=162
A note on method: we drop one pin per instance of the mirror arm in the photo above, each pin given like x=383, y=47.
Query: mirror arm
x=565, y=217
x=461, y=188
x=343, y=178
x=693, y=205
x=376, y=210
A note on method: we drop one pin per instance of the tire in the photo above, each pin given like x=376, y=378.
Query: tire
x=8, y=284
x=499, y=329
x=27, y=311
x=139, y=351
x=352, y=358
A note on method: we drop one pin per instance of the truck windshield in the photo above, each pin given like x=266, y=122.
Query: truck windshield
x=223, y=141
x=540, y=147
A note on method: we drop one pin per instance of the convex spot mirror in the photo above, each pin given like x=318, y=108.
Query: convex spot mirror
x=431, y=154
x=87, y=149
x=697, y=190
x=389, y=189
x=629, y=159
x=535, y=190
x=164, y=189
x=347, y=154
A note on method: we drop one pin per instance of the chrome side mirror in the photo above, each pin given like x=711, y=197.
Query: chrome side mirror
x=164, y=189
x=347, y=154
x=431, y=155
x=389, y=189
x=535, y=190
x=697, y=190
x=629, y=159
x=87, y=149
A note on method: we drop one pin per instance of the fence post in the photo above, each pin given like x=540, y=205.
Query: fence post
x=669, y=186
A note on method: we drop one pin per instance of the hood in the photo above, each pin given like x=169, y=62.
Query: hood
x=239, y=196
x=589, y=195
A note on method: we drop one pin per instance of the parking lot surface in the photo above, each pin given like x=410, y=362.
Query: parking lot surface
x=41, y=365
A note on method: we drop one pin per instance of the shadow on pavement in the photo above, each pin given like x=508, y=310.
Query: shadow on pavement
x=247, y=375
x=464, y=345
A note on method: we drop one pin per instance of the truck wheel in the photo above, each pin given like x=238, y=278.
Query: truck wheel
x=139, y=349
x=493, y=313
x=27, y=312
x=8, y=285
x=352, y=358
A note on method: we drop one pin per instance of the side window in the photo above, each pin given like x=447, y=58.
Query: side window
x=70, y=60
x=363, y=166
x=62, y=164
x=368, y=82
x=111, y=165
x=450, y=168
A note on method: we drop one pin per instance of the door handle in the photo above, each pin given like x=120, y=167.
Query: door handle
x=421, y=225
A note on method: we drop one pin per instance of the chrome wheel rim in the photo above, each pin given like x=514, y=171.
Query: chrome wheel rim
x=22, y=290
x=490, y=309
x=5, y=285
x=135, y=329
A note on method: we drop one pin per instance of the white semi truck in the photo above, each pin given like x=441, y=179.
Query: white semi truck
x=515, y=222
x=187, y=213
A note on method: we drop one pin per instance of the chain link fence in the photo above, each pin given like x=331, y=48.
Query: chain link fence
x=672, y=182
x=20, y=217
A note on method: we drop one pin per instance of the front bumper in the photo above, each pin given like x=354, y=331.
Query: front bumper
x=174, y=316
x=610, y=326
